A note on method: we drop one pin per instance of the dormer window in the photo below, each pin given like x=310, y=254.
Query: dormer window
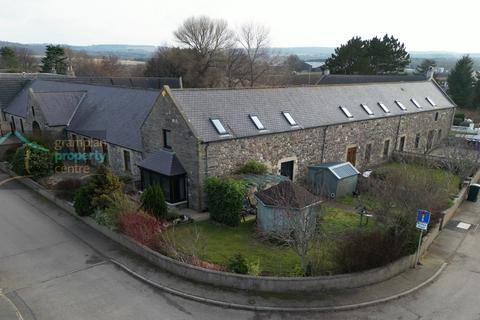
x=415, y=102
x=219, y=126
x=384, y=107
x=256, y=121
x=289, y=118
x=346, y=112
x=431, y=101
x=400, y=105
x=367, y=109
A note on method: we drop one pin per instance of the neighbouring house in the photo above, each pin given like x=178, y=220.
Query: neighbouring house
x=213, y=132
x=333, y=179
x=286, y=206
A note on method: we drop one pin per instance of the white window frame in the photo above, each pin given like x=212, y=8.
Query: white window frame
x=415, y=102
x=289, y=118
x=346, y=112
x=400, y=105
x=432, y=103
x=367, y=109
x=219, y=127
x=256, y=121
x=384, y=107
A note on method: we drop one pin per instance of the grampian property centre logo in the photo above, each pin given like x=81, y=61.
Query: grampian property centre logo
x=55, y=156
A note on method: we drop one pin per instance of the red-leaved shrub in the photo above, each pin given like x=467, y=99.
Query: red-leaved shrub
x=141, y=227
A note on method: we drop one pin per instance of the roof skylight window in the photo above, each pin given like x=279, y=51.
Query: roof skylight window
x=384, y=107
x=431, y=101
x=415, y=102
x=289, y=118
x=219, y=126
x=367, y=109
x=257, y=122
x=400, y=105
x=346, y=112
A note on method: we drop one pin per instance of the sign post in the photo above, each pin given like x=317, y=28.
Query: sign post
x=423, y=219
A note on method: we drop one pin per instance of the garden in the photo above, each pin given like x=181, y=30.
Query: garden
x=340, y=241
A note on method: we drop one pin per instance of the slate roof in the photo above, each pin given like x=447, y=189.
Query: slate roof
x=59, y=107
x=112, y=113
x=340, y=169
x=286, y=194
x=346, y=79
x=163, y=162
x=310, y=107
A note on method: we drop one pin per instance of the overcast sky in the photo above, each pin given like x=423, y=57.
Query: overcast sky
x=421, y=24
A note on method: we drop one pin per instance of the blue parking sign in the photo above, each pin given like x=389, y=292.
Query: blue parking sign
x=423, y=216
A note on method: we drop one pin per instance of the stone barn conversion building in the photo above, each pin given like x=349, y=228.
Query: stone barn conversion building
x=215, y=131
x=179, y=137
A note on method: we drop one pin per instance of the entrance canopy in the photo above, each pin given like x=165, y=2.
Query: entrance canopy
x=163, y=168
x=163, y=162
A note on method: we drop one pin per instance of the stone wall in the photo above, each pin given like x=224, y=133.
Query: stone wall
x=164, y=115
x=317, y=145
x=114, y=157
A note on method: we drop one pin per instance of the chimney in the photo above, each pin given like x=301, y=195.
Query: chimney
x=430, y=73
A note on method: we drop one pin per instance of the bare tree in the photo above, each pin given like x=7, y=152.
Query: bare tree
x=235, y=62
x=28, y=62
x=207, y=38
x=296, y=217
x=459, y=156
x=255, y=40
x=110, y=66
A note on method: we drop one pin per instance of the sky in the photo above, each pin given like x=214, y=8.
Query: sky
x=423, y=25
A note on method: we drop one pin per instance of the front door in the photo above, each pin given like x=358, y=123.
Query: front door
x=352, y=155
x=286, y=169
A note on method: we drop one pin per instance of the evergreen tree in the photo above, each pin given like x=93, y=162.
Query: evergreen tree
x=349, y=58
x=55, y=60
x=476, y=98
x=425, y=65
x=374, y=56
x=9, y=59
x=461, y=82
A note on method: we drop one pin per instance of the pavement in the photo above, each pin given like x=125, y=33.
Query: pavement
x=54, y=266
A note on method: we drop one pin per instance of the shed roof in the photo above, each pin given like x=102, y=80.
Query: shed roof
x=163, y=162
x=340, y=170
x=310, y=107
x=286, y=194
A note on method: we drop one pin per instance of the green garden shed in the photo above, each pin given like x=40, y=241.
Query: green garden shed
x=333, y=179
x=286, y=206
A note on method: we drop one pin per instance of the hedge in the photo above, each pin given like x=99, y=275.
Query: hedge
x=225, y=200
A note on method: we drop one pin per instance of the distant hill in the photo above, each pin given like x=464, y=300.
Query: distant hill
x=124, y=51
x=444, y=59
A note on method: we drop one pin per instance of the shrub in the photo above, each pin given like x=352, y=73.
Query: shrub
x=141, y=227
x=238, y=264
x=120, y=205
x=103, y=184
x=37, y=164
x=362, y=250
x=153, y=201
x=66, y=189
x=98, y=191
x=83, y=202
x=253, y=167
x=225, y=200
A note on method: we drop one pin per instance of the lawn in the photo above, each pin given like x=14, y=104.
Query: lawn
x=220, y=242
